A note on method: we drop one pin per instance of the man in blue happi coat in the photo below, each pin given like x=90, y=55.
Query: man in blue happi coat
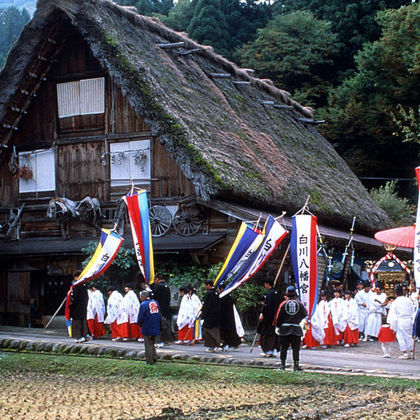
x=149, y=319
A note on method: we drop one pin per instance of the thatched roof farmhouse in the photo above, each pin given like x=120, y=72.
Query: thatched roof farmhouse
x=235, y=137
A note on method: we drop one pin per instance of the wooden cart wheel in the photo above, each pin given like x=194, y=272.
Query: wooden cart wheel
x=160, y=220
x=188, y=220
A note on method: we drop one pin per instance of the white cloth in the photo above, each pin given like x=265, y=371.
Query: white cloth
x=196, y=304
x=238, y=323
x=337, y=308
x=131, y=306
x=96, y=305
x=115, y=309
x=400, y=318
x=374, y=317
x=317, y=324
x=186, y=313
x=351, y=314
x=363, y=298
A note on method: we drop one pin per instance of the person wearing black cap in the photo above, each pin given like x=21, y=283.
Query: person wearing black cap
x=162, y=295
x=210, y=314
x=291, y=312
x=78, y=310
x=268, y=337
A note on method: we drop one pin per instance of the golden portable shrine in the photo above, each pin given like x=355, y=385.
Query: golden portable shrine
x=389, y=271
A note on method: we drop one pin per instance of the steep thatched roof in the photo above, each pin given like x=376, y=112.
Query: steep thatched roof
x=225, y=139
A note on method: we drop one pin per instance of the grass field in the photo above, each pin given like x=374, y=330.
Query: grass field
x=40, y=386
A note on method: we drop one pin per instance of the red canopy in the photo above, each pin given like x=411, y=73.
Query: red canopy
x=400, y=237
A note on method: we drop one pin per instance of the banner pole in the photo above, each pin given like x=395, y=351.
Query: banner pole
x=281, y=265
x=56, y=312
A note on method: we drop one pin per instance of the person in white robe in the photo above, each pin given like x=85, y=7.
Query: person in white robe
x=315, y=333
x=351, y=321
x=131, y=306
x=337, y=307
x=376, y=310
x=362, y=299
x=197, y=305
x=185, y=318
x=96, y=311
x=117, y=315
x=400, y=318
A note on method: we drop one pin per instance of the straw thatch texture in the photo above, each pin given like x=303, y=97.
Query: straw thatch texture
x=226, y=141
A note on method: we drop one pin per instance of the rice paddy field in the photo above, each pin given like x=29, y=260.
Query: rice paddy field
x=43, y=386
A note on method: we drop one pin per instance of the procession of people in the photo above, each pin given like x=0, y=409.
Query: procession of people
x=345, y=318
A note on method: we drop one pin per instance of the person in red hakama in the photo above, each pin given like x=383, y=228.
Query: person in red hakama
x=131, y=306
x=351, y=320
x=96, y=312
x=386, y=336
x=315, y=333
x=117, y=316
x=330, y=338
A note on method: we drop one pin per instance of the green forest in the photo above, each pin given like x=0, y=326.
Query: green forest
x=356, y=63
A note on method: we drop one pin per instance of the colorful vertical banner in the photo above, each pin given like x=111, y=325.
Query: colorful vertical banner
x=416, y=257
x=303, y=246
x=138, y=212
x=246, y=241
x=107, y=249
x=273, y=234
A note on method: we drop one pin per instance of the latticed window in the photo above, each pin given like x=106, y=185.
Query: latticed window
x=37, y=171
x=130, y=159
x=82, y=97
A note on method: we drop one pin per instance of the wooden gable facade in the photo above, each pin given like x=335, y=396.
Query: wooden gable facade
x=93, y=152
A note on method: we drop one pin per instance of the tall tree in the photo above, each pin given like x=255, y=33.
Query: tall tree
x=296, y=51
x=179, y=17
x=360, y=109
x=352, y=20
x=149, y=7
x=12, y=22
x=208, y=25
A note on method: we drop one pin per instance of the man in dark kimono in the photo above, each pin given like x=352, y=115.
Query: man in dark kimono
x=162, y=295
x=228, y=334
x=210, y=314
x=269, y=340
x=78, y=311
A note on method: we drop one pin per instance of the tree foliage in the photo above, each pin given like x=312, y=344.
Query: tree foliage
x=282, y=53
x=352, y=20
x=359, y=112
x=397, y=208
x=12, y=22
x=407, y=123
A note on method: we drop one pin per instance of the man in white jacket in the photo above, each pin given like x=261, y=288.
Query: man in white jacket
x=131, y=306
x=117, y=315
x=362, y=299
x=95, y=311
x=376, y=310
x=400, y=318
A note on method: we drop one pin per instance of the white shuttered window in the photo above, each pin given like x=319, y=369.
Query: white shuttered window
x=42, y=165
x=130, y=159
x=83, y=97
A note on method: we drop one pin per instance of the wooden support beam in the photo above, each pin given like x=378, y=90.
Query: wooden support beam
x=169, y=46
x=241, y=82
x=41, y=58
x=187, y=52
x=20, y=111
x=310, y=121
x=250, y=71
x=35, y=76
x=267, y=102
x=25, y=92
x=281, y=106
x=220, y=75
x=11, y=127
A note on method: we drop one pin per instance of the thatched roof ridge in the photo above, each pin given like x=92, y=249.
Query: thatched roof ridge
x=226, y=141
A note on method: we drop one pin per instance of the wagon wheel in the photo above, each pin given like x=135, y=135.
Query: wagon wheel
x=188, y=220
x=160, y=220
